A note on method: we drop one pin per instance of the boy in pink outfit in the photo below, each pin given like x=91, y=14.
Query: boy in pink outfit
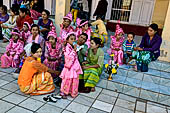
x=11, y=58
x=84, y=28
x=65, y=27
x=72, y=68
x=117, y=45
x=53, y=52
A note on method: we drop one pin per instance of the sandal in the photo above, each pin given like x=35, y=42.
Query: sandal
x=93, y=89
x=49, y=99
x=56, y=96
x=63, y=96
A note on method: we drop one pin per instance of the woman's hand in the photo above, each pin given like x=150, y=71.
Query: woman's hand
x=4, y=26
x=138, y=48
x=84, y=63
x=85, y=67
x=75, y=47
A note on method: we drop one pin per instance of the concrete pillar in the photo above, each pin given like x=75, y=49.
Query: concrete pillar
x=7, y=3
x=62, y=8
x=165, y=47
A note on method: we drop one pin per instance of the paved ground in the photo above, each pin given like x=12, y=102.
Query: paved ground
x=128, y=92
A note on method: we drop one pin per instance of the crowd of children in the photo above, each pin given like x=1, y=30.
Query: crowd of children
x=57, y=51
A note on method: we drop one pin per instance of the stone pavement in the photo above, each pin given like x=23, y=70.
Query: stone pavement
x=128, y=92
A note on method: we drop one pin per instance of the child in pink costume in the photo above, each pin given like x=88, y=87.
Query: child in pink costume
x=84, y=28
x=11, y=58
x=72, y=69
x=116, y=45
x=25, y=33
x=65, y=27
x=53, y=52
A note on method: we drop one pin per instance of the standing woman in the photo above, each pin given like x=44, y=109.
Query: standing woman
x=93, y=66
x=44, y=23
x=149, y=48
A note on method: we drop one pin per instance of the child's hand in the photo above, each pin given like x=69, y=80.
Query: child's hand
x=117, y=49
x=8, y=54
x=85, y=67
x=75, y=47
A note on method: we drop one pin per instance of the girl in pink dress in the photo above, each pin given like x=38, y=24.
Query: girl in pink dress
x=25, y=33
x=53, y=52
x=72, y=69
x=117, y=45
x=84, y=28
x=11, y=58
x=65, y=27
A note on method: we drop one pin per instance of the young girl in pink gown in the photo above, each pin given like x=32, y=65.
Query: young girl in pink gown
x=25, y=33
x=65, y=27
x=84, y=28
x=11, y=57
x=117, y=45
x=53, y=52
x=72, y=69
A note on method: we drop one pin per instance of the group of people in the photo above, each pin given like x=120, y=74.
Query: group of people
x=75, y=56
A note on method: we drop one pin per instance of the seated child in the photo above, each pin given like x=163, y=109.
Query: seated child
x=101, y=31
x=65, y=27
x=116, y=45
x=128, y=47
x=11, y=57
x=25, y=33
x=84, y=28
x=53, y=52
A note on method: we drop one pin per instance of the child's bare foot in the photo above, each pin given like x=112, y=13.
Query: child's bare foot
x=93, y=89
x=63, y=96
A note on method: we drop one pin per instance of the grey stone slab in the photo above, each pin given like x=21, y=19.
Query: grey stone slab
x=125, y=104
x=31, y=104
x=2, y=74
x=135, y=75
x=110, y=93
x=77, y=108
x=155, y=109
x=84, y=100
x=153, y=79
x=102, y=83
x=93, y=94
x=106, y=98
x=39, y=97
x=93, y=110
x=5, y=106
x=20, y=93
x=4, y=93
x=115, y=86
x=19, y=110
x=102, y=106
x=11, y=87
x=118, y=109
x=7, y=78
x=62, y=103
x=126, y=97
x=49, y=109
x=140, y=106
x=133, y=91
x=3, y=82
x=65, y=111
x=148, y=95
x=7, y=70
x=14, y=98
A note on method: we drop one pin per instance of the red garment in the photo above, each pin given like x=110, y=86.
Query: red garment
x=20, y=21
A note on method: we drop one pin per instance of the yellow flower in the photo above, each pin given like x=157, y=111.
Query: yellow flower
x=106, y=65
x=39, y=59
x=112, y=55
x=114, y=71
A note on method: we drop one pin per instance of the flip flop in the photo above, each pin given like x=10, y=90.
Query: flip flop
x=49, y=99
x=56, y=96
